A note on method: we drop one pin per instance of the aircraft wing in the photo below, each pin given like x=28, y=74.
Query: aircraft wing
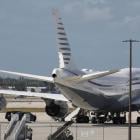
x=53, y=96
x=37, y=77
x=90, y=76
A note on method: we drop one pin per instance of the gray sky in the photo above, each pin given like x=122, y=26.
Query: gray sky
x=95, y=29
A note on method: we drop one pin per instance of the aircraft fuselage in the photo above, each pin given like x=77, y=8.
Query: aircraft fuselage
x=109, y=93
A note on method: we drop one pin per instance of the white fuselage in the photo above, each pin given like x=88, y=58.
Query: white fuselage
x=106, y=93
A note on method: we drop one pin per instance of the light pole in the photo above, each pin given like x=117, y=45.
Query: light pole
x=130, y=84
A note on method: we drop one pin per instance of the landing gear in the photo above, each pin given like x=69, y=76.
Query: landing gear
x=98, y=118
x=82, y=119
x=93, y=120
x=117, y=119
x=101, y=119
x=138, y=120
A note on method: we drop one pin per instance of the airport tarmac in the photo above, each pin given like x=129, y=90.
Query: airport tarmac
x=41, y=130
x=45, y=125
x=88, y=131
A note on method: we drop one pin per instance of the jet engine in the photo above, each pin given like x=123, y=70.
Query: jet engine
x=3, y=103
x=56, y=109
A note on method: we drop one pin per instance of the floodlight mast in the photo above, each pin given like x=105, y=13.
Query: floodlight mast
x=130, y=41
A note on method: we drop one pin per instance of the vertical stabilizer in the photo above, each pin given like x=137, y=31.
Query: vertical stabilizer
x=64, y=50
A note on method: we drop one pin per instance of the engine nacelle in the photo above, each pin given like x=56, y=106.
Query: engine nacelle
x=56, y=109
x=3, y=103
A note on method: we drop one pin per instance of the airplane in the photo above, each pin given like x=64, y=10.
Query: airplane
x=104, y=92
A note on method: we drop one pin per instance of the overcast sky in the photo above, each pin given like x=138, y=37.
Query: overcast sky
x=95, y=30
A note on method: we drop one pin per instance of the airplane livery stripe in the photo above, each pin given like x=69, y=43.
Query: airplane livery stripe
x=60, y=28
x=68, y=54
x=68, y=49
x=66, y=58
x=60, y=23
x=60, y=33
x=65, y=39
x=64, y=43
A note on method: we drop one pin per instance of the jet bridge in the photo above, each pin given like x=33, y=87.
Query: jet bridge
x=17, y=128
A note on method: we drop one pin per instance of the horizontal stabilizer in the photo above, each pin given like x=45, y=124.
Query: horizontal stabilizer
x=37, y=77
x=90, y=76
x=52, y=96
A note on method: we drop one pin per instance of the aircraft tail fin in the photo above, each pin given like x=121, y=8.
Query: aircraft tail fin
x=64, y=50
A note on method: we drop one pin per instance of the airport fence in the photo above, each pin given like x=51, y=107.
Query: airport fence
x=41, y=131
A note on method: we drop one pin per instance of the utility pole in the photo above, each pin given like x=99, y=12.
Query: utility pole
x=130, y=41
